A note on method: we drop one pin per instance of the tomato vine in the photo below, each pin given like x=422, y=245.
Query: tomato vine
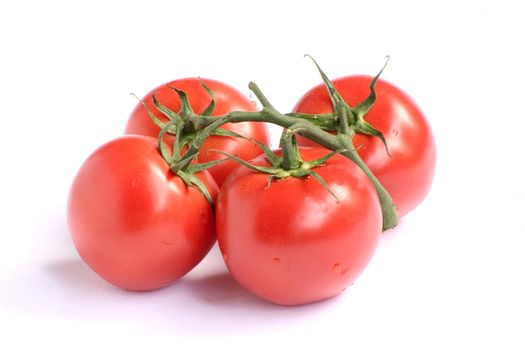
x=346, y=121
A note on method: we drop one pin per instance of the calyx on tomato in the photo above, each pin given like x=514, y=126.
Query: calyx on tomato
x=349, y=120
x=185, y=125
x=290, y=164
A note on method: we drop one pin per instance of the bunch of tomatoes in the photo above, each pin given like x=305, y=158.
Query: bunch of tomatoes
x=294, y=225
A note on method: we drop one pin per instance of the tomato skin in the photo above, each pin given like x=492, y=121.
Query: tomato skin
x=292, y=243
x=227, y=99
x=136, y=224
x=407, y=175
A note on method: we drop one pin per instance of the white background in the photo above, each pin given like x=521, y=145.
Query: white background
x=451, y=275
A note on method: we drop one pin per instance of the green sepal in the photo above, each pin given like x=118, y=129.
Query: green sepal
x=324, y=184
x=321, y=161
x=162, y=146
x=191, y=180
x=171, y=115
x=227, y=133
x=363, y=127
x=332, y=92
x=182, y=164
x=211, y=107
x=270, y=156
x=184, y=141
x=177, y=143
x=185, y=107
x=260, y=169
x=269, y=181
x=274, y=159
x=150, y=113
x=368, y=103
x=196, y=167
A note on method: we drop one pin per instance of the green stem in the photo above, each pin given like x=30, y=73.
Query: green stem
x=344, y=127
x=332, y=142
x=390, y=218
x=324, y=121
x=327, y=121
x=291, y=156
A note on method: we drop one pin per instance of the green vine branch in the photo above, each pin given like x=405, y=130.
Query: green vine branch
x=333, y=131
x=303, y=127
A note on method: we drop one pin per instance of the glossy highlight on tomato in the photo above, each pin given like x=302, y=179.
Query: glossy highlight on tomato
x=290, y=241
x=133, y=221
x=227, y=99
x=408, y=171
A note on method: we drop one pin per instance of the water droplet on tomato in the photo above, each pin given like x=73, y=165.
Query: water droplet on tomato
x=276, y=261
x=337, y=267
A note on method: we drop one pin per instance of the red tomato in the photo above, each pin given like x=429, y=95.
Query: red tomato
x=134, y=222
x=407, y=175
x=292, y=243
x=227, y=99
